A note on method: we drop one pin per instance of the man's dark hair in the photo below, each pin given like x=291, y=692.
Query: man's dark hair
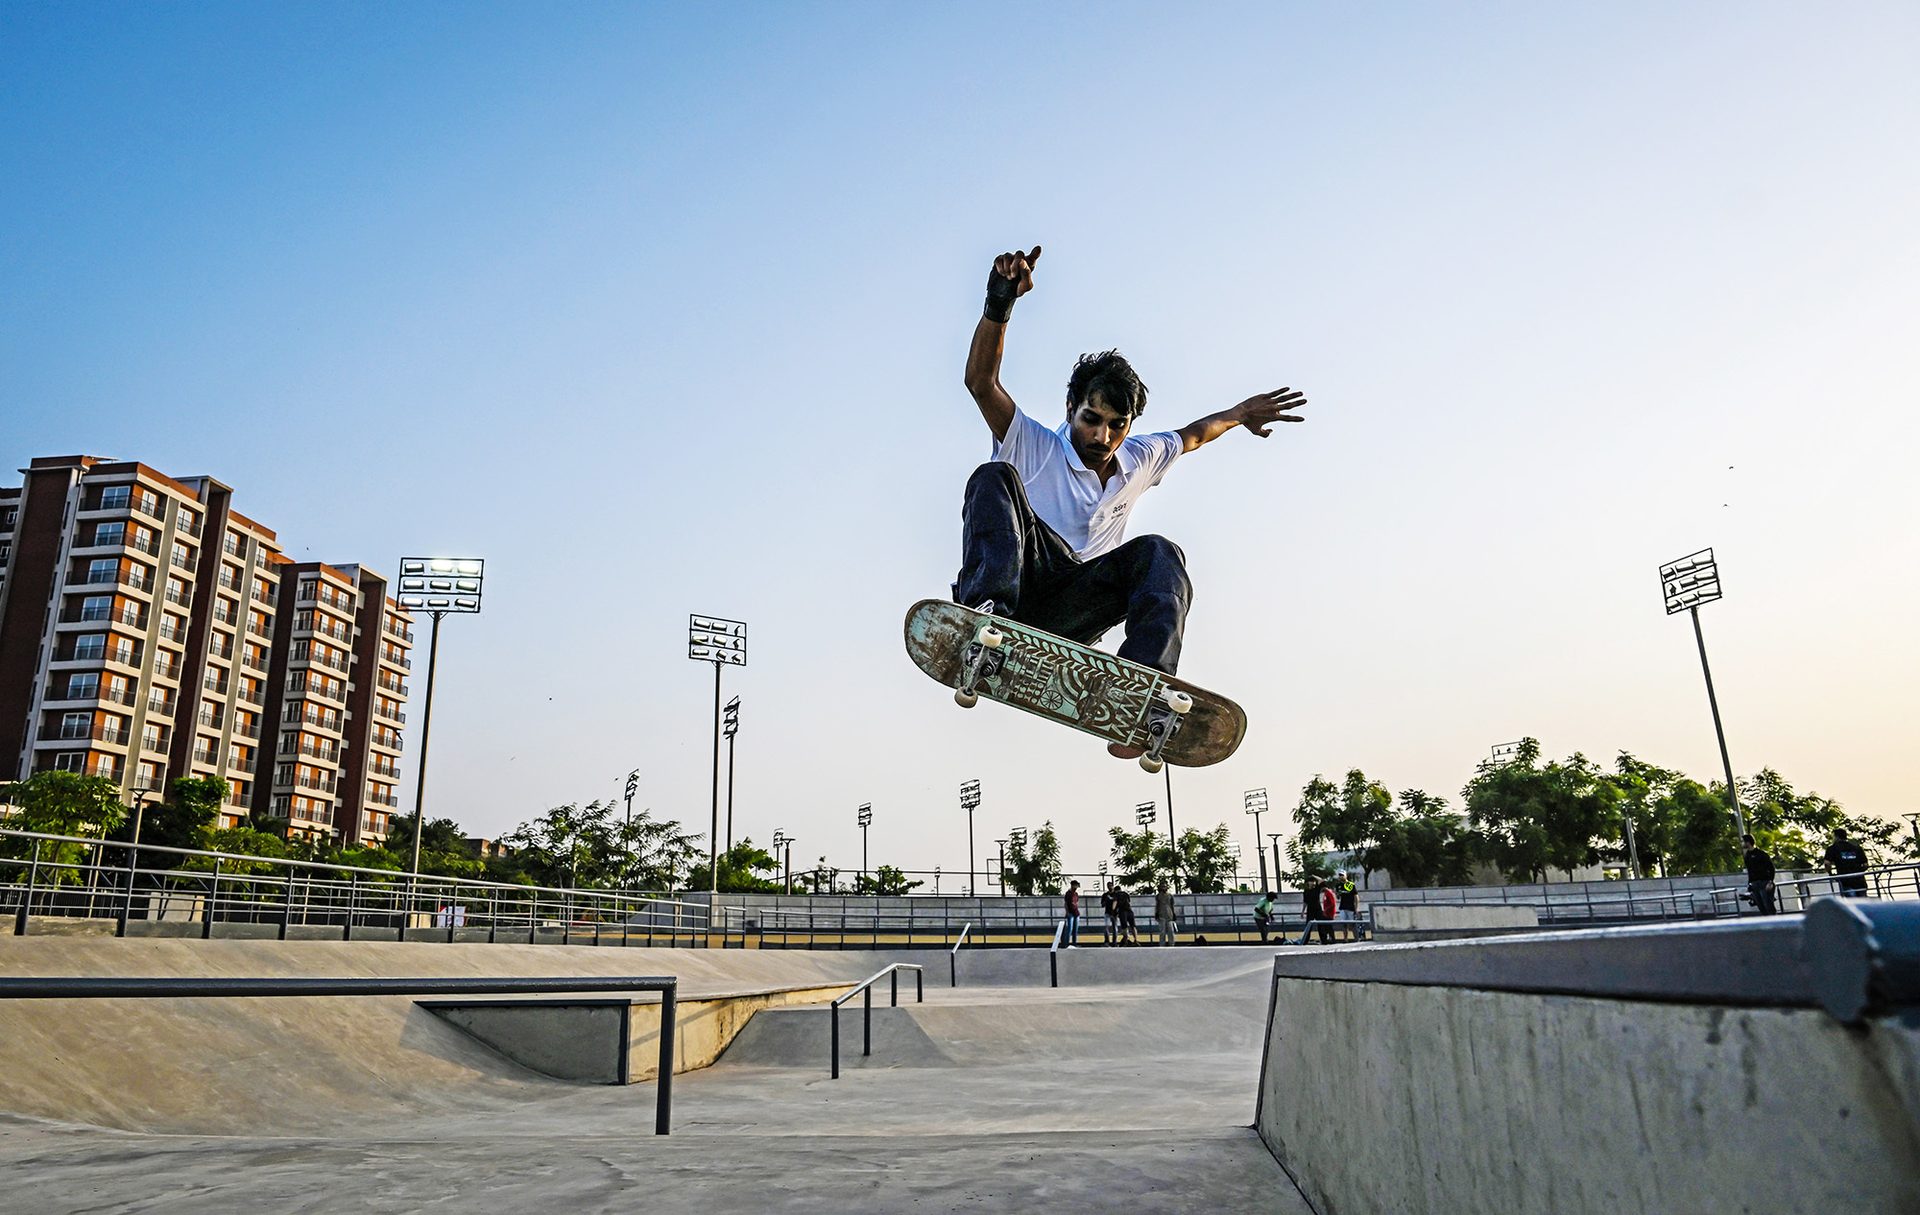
x=1110, y=375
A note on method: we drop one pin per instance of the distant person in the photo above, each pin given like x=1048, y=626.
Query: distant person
x=1349, y=901
x=1848, y=860
x=1070, y=935
x=1109, y=920
x=1263, y=914
x=1310, y=904
x=1163, y=913
x=1123, y=907
x=1759, y=877
x=1329, y=910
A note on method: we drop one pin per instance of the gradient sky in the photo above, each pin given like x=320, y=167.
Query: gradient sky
x=663, y=309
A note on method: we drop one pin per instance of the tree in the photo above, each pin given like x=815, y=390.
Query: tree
x=1535, y=815
x=1346, y=818
x=1141, y=859
x=574, y=846
x=1703, y=840
x=884, y=880
x=740, y=869
x=61, y=803
x=1645, y=792
x=186, y=819
x=1036, y=872
x=1206, y=862
x=1425, y=845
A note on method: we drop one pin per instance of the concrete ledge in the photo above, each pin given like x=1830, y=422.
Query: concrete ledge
x=1670, y=1068
x=614, y=1040
x=1748, y=962
x=1405, y=922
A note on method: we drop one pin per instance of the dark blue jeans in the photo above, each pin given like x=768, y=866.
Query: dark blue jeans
x=1011, y=556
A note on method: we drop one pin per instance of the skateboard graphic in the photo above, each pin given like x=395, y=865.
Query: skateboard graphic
x=1170, y=720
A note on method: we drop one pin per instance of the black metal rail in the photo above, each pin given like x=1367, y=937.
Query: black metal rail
x=865, y=990
x=76, y=988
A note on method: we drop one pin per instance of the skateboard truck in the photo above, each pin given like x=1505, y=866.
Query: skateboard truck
x=1166, y=713
x=982, y=660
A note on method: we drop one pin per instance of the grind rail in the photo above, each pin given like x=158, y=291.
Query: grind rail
x=865, y=991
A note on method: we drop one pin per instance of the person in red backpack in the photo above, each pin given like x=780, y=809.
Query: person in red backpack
x=1329, y=911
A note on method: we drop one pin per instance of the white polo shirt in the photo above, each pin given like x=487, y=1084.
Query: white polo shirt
x=1090, y=517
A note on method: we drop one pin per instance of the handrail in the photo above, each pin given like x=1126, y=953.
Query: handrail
x=334, y=894
x=1885, y=879
x=1053, y=956
x=393, y=875
x=953, y=955
x=866, y=989
x=72, y=988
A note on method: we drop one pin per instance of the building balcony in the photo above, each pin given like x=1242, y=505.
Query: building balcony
x=61, y=731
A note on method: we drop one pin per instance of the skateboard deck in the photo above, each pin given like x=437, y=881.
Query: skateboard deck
x=1103, y=694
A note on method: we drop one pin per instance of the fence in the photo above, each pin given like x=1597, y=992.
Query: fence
x=154, y=890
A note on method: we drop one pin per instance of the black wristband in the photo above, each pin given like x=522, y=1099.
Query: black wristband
x=1001, y=293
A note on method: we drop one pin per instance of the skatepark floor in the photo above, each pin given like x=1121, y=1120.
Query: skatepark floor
x=1131, y=1087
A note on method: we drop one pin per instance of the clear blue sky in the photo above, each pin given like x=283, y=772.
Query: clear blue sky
x=663, y=309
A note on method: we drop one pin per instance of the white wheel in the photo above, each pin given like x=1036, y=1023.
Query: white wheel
x=1151, y=764
x=991, y=637
x=966, y=700
x=1177, y=700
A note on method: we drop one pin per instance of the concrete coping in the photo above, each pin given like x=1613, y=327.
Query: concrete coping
x=1752, y=962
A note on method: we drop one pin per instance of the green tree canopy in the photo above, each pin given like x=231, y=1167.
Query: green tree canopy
x=61, y=803
x=885, y=880
x=740, y=870
x=1035, y=871
x=1425, y=845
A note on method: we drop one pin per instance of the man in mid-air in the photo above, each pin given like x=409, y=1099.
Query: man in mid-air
x=1044, y=520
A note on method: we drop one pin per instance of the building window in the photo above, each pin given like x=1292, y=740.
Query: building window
x=106, y=765
x=110, y=533
x=113, y=497
x=70, y=761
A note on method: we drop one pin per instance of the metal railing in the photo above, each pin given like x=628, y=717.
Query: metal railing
x=146, y=988
x=1887, y=883
x=953, y=957
x=186, y=892
x=865, y=991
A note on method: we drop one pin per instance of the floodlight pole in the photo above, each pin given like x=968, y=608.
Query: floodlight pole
x=1277, y=882
x=1173, y=837
x=420, y=776
x=1256, y=802
x=730, y=728
x=1001, y=879
x=1726, y=764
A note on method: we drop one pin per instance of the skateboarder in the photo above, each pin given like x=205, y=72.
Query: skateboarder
x=1043, y=521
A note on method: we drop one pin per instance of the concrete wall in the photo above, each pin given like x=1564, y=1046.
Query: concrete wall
x=1433, y=922
x=1390, y=1096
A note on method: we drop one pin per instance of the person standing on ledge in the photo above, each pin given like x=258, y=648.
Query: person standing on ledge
x=1043, y=522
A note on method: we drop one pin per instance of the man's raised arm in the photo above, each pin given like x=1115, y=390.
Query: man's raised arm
x=1256, y=413
x=1010, y=278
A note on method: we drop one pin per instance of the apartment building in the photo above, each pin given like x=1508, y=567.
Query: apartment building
x=338, y=681
x=141, y=626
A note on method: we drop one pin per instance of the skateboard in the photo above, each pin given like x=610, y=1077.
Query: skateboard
x=1169, y=719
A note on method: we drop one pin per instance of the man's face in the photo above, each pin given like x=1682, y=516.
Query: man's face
x=1096, y=430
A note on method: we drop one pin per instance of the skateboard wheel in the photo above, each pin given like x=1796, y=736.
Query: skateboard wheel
x=966, y=700
x=1151, y=764
x=1177, y=700
x=991, y=637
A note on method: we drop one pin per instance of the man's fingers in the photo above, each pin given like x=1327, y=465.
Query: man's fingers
x=1034, y=256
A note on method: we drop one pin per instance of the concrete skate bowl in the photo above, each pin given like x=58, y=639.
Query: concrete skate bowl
x=308, y=1066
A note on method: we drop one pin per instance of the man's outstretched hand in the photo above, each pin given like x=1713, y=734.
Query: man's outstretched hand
x=1019, y=268
x=1259, y=412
